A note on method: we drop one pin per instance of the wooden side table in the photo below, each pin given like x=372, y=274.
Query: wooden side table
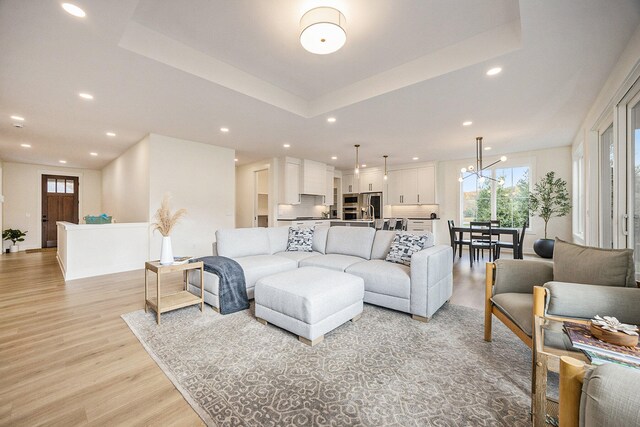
x=163, y=303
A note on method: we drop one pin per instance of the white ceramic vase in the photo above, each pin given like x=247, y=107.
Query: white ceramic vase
x=166, y=254
x=14, y=249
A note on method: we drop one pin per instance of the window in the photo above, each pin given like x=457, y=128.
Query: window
x=63, y=186
x=578, y=194
x=509, y=202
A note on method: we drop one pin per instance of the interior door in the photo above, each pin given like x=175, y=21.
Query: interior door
x=59, y=203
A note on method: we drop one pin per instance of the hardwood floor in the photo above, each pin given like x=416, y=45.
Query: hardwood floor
x=67, y=358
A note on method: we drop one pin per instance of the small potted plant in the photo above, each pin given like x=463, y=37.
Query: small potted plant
x=15, y=236
x=548, y=199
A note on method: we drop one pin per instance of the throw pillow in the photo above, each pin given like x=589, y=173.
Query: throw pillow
x=404, y=245
x=592, y=266
x=300, y=239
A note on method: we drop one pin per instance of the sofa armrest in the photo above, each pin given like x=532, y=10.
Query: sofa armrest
x=520, y=276
x=431, y=279
x=214, y=249
x=585, y=301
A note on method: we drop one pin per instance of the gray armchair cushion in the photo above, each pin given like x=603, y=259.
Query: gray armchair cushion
x=610, y=397
x=592, y=266
x=520, y=276
x=517, y=307
x=585, y=301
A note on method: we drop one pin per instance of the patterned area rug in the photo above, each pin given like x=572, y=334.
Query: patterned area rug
x=386, y=369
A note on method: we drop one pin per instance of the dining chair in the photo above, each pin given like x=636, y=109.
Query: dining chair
x=392, y=223
x=509, y=245
x=481, y=238
x=456, y=242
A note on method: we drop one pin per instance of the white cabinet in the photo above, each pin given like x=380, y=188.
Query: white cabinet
x=313, y=178
x=328, y=199
x=311, y=223
x=403, y=187
x=349, y=184
x=289, y=181
x=412, y=186
x=419, y=226
x=427, y=185
x=371, y=181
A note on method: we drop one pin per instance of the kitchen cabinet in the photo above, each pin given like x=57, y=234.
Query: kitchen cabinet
x=289, y=181
x=311, y=223
x=371, y=181
x=313, y=178
x=419, y=226
x=349, y=184
x=412, y=186
x=328, y=199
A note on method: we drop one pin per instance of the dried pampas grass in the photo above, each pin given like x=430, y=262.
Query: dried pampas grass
x=164, y=220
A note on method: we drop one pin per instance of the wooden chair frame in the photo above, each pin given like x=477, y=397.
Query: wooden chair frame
x=571, y=379
x=539, y=296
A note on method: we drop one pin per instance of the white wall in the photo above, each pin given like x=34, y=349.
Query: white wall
x=245, y=191
x=22, y=207
x=540, y=161
x=623, y=75
x=199, y=177
x=125, y=185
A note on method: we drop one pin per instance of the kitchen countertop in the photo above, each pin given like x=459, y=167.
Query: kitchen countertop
x=416, y=218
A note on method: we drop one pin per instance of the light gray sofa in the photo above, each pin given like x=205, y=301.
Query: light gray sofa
x=419, y=290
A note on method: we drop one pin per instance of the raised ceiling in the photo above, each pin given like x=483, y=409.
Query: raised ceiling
x=410, y=73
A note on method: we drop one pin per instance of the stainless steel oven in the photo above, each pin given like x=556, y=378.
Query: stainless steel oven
x=351, y=200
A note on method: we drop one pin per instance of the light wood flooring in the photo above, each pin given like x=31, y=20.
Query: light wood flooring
x=67, y=358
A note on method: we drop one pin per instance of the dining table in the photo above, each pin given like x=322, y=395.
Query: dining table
x=512, y=231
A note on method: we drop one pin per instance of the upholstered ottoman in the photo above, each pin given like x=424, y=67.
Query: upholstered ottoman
x=309, y=301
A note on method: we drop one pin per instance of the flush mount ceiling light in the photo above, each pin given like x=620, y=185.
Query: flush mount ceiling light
x=322, y=30
x=479, y=167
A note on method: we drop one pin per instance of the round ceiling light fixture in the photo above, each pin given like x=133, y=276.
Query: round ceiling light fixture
x=322, y=30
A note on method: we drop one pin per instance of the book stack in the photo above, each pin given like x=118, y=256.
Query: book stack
x=179, y=260
x=600, y=352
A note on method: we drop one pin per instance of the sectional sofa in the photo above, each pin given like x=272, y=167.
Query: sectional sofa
x=420, y=289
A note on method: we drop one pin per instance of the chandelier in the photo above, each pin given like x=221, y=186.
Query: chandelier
x=479, y=168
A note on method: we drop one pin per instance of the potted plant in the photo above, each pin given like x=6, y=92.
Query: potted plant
x=15, y=236
x=165, y=221
x=548, y=199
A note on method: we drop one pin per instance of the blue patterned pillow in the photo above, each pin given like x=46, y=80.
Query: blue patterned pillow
x=300, y=239
x=404, y=245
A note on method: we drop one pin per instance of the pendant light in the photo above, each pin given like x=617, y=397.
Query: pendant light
x=357, y=168
x=479, y=167
x=385, y=166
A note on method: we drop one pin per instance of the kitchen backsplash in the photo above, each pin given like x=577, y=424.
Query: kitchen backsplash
x=307, y=208
x=413, y=211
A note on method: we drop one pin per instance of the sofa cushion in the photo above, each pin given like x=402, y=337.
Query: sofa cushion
x=211, y=281
x=331, y=261
x=518, y=308
x=592, y=266
x=256, y=267
x=404, y=246
x=354, y=241
x=384, y=277
x=297, y=256
x=278, y=238
x=320, y=238
x=382, y=243
x=241, y=242
x=300, y=239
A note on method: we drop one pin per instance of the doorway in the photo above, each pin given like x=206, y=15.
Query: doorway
x=60, y=202
x=261, y=200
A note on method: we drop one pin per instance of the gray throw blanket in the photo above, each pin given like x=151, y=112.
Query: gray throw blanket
x=232, y=291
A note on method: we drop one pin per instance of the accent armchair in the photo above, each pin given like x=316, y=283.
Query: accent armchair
x=580, y=283
x=607, y=395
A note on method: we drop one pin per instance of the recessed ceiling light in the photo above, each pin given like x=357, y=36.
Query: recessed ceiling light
x=331, y=119
x=416, y=158
x=235, y=160
x=494, y=71
x=94, y=154
x=363, y=165
x=334, y=157
x=85, y=95
x=25, y=145
x=110, y=134
x=487, y=148
x=286, y=145
x=18, y=118
x=467, y=123
x=225, y=130
x=74, y=10
x=62, y=161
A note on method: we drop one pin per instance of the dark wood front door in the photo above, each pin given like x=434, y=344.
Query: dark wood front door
x=59, y=203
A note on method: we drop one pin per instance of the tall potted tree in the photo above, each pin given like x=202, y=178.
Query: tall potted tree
x=548, y=199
